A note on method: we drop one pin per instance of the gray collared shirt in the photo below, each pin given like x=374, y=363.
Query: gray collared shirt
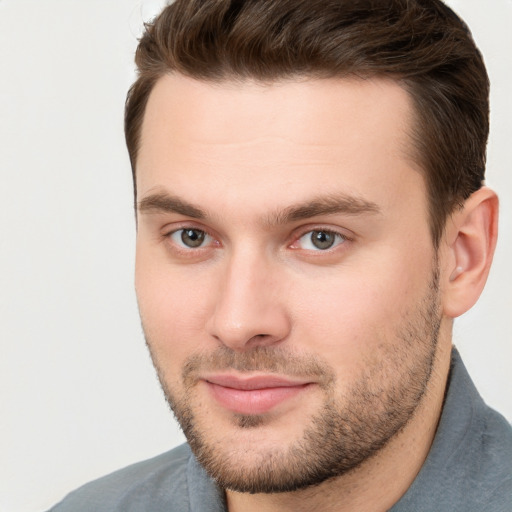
x=468, y=469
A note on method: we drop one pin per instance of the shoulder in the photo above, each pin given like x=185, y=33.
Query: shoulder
x=476, y=463
x=489, y=459
x=148, y=485
x=469, y=467
x=477, y=474
x=485, y=445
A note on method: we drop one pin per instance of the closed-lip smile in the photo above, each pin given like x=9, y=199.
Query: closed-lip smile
x=252, y=394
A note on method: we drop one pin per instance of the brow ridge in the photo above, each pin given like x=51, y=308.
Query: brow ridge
x=323, y=205
x=165, y=203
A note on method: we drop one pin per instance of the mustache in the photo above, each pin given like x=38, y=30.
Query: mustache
x=259, y=359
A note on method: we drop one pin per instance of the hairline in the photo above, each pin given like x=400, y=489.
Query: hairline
x=410, y=147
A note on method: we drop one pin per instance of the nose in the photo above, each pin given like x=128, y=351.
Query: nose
x=250, y=308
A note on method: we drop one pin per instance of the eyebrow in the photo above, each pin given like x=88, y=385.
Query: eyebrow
x=323, y=205
x=164, y=203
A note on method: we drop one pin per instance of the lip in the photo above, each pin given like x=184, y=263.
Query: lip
x=253, y=394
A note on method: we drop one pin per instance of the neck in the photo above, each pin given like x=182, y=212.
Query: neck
x=378, y=483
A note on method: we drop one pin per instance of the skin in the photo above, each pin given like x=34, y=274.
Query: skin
x=233, y=160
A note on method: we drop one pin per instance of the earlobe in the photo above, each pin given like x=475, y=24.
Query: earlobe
x=471, y=237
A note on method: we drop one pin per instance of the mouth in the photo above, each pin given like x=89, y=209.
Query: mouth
x=253, y=395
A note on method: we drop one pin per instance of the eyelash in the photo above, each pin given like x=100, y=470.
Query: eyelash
x=340, y=238
x=183, y=248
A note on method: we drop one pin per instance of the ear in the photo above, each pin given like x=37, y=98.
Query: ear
x=470, y=239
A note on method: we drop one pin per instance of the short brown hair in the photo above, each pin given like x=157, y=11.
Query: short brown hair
x=422, y=44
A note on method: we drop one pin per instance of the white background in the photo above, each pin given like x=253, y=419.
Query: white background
x=78, y=397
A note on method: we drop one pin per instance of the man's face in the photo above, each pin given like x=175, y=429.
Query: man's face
x=285, y=272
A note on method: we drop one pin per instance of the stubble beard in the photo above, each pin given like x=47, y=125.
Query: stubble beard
x=347, y=430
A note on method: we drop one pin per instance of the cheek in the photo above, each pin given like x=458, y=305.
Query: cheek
x=356, y=314
x=173, y=308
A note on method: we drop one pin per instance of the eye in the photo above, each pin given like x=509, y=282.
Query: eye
x=190, y=238
x=320, y=240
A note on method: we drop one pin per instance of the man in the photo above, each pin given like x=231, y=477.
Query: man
x=311, y=217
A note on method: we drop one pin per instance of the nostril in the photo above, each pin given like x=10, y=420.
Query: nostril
x=259, y=339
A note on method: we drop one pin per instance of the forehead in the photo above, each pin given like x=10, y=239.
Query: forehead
x=285, y=138
x=247, y=109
